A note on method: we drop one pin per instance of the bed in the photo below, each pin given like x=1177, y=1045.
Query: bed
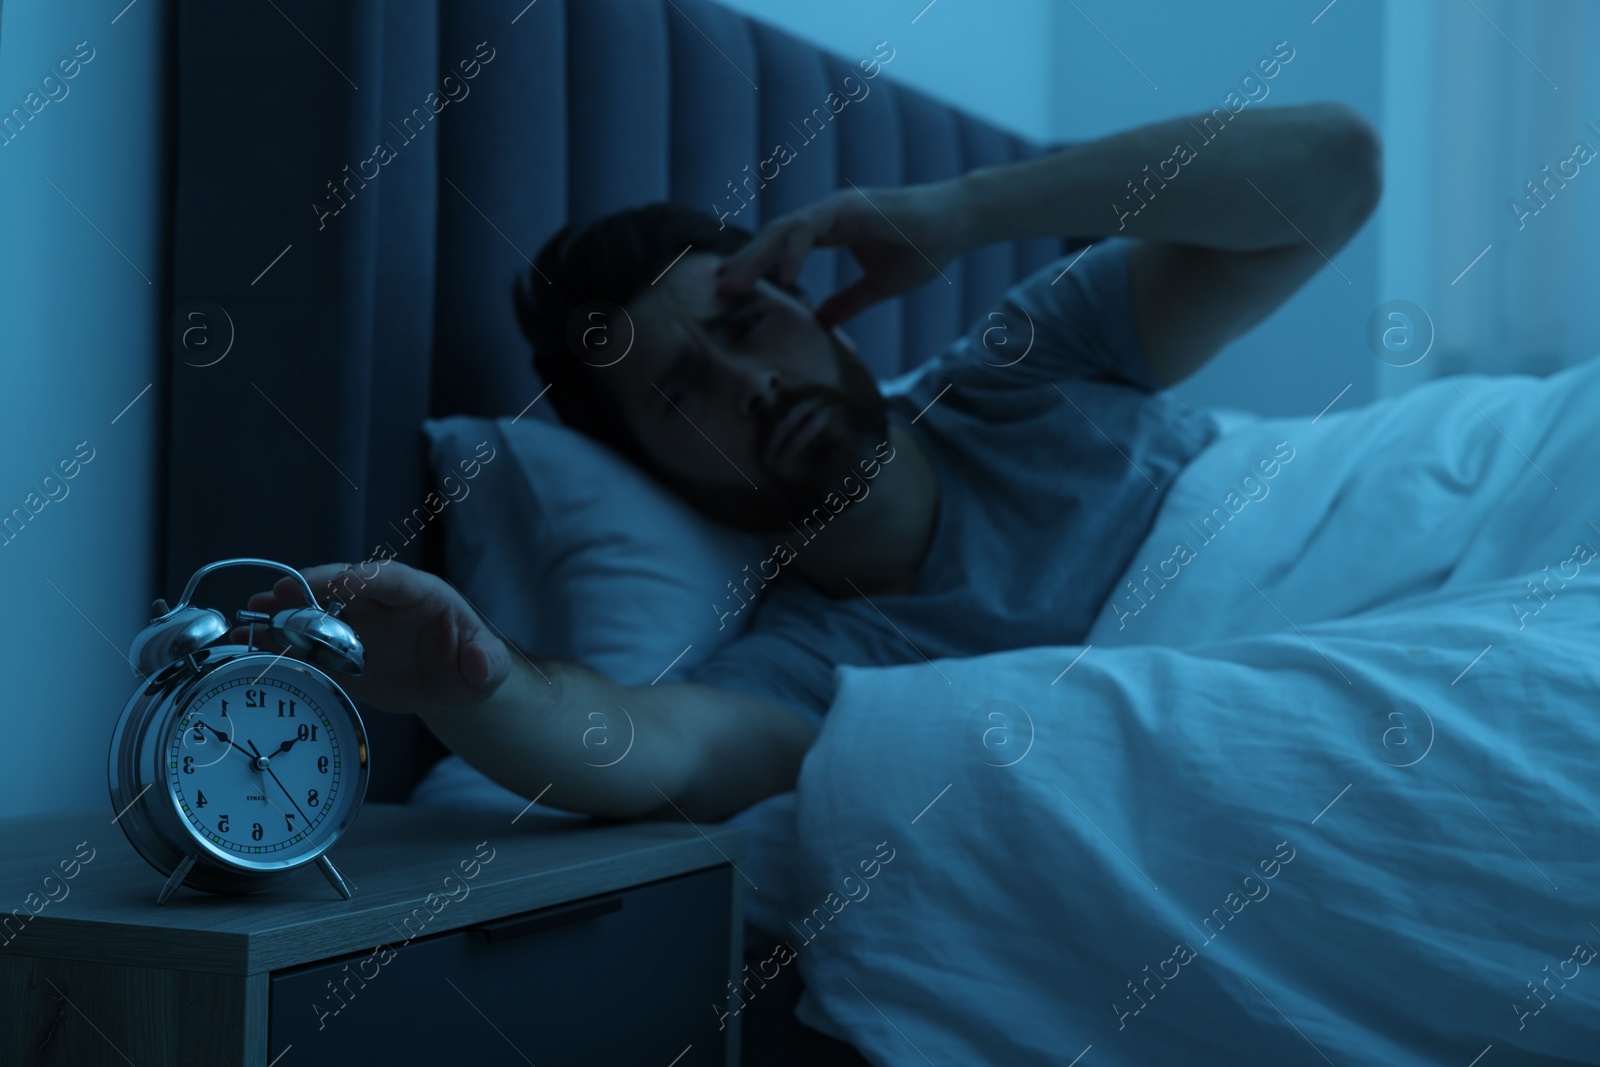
x=1318, y=781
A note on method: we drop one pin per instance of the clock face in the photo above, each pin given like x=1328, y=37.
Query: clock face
x=262, y=764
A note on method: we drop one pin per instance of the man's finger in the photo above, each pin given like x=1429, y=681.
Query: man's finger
x=288, y=592
x=240, y=635
x=848, y=302
x=796, y=247
x=786, y=240
x=393, y=584
x=740, y=270
x=321, y=576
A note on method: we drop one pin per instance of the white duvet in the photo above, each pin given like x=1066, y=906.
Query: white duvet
x=1322, y=784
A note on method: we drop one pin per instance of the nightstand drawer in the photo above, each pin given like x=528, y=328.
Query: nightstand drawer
x=618, y=979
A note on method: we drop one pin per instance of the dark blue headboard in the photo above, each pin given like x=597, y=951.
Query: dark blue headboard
x=366, y=290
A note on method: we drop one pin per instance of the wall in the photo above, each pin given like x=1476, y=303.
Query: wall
x=81, y=274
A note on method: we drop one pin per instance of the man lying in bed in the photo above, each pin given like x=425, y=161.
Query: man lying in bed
x=1002, y=508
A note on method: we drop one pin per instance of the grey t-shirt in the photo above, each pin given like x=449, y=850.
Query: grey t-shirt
x=1051, y=469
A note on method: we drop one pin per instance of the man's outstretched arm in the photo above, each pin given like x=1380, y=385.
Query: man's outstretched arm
x=551, y=729
x=626, y=751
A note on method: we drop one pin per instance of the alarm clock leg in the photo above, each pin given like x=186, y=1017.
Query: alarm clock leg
x=178, y=875
x=333, y=876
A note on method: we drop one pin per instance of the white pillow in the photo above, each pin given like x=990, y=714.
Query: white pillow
x=574, y=553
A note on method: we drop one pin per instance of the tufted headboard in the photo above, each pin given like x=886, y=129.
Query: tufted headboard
x=355, y=185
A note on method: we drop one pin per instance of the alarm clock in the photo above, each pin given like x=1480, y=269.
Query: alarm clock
x=232, y=766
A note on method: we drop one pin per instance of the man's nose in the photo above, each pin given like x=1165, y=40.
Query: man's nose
x=754, y=387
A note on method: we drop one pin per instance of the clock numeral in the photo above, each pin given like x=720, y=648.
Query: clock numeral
x=255, y=698
x=311, y=797
x=199, y=734
x=288, y=822
x=188, y=765
x=222, y=825
x=224, y=708
x=200, y=800
x=255, y=834
x=307, y=732
x=322, y=764
x=280, y=709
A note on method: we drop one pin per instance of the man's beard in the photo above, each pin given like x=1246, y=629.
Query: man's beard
x=859, y=422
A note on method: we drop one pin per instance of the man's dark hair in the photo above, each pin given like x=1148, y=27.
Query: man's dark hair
x=603, y=266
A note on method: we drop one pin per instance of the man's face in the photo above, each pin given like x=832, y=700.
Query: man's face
x=755, y=411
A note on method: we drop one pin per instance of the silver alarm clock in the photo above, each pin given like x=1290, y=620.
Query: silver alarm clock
x=233, y=766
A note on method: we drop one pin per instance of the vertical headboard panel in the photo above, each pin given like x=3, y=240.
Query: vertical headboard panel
x=502, y=155
x=716, y=130
x=619, y=119
x=935, y=313
x=364, y=290
x=794, y=79
x=268, y=429
x=400, y=354
x=991, y=268
x=872, y=152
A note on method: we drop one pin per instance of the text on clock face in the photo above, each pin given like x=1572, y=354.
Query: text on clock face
x=255, y=765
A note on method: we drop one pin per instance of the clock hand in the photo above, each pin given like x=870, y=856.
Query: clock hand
x=283, y=747
x=264, y=763
x=303, y=820
x=220, y=735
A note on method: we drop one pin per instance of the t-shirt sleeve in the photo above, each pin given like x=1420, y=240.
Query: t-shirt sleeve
x=1072, y=318
x=771, y=665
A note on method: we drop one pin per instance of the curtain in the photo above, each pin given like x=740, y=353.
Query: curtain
x=1491, y=211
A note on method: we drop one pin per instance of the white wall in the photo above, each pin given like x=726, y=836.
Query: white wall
x=79, y=340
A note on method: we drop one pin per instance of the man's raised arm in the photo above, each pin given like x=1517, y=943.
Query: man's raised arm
x=1228, y=220
x=1229, y=213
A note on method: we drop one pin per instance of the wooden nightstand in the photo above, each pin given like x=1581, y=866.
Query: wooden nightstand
x=552, y=942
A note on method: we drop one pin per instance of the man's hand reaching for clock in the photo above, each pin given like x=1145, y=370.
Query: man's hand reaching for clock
x=426, y=648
